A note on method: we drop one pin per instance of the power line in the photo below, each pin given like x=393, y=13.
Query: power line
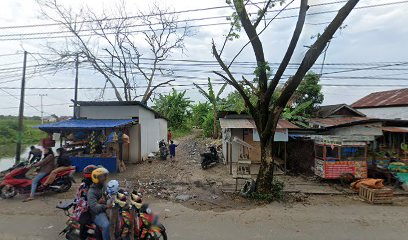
x=192, y=26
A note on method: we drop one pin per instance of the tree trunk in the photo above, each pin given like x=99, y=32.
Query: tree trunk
x=265, y=175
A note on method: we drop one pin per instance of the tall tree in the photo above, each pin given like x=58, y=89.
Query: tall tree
x=110, y=44
x=265, y=115
x=309, y=90
x=174, y=106
x=214, y=99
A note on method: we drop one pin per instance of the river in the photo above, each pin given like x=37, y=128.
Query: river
x=7, y=155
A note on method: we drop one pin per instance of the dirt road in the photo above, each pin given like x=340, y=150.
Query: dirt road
x=210, y=214
x=347, y=220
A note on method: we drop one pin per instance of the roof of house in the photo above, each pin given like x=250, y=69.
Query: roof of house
x=249, y=123
x=85, y=124
x=120, y=103
x=398, y=97
x=329, y=110
x=332, y=122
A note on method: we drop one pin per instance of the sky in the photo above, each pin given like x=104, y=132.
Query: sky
x=371, y=37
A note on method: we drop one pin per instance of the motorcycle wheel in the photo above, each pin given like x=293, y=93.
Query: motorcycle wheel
x=64, y=187
x=8, y=192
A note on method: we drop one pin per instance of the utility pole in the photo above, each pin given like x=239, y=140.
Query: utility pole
x=20, y=127
x=76, y=86
x=42, y=107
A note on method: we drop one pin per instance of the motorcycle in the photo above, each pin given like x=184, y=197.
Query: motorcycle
x=16, y=181
x=209, y=159
x=132, y=218
x=164, y=152
x=72, y=229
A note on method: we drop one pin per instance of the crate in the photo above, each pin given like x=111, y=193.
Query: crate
x=376, y=196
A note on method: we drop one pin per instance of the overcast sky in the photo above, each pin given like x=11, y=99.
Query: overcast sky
x=372, y=36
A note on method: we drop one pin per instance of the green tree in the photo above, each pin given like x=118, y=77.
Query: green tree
x=175, y=107
x=309, y=90
x=214, y=100
x=264, y=85
x=199, y=112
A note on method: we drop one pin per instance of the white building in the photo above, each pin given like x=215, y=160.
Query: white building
x=144, y=136
x=391, y=104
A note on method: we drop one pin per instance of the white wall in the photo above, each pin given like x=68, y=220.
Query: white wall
x=150, y=132
x=386, y=112
x=162, y=128
x=109, y=112
x=236, y=148
x=370, y=129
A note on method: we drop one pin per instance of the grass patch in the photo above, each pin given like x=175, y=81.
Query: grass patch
x=276, y=194
x=8, y=130
x=182, y=132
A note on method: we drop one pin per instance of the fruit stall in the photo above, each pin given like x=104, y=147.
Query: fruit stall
x=91, y=141
x=337, y=157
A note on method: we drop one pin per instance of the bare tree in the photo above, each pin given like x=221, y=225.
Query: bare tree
x=266, y=113
x=110, y=43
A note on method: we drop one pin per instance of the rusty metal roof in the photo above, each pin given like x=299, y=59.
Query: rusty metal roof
x=395, y=129
x=398, y=97
x=330, y=122
x=249, y=123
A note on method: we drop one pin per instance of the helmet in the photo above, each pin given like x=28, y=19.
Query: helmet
x=113, y=187
x=88, y=171
x=98, y=172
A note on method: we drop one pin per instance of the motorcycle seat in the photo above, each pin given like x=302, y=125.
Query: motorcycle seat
x=65, y=205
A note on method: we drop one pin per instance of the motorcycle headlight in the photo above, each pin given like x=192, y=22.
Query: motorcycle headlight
x=148, y=210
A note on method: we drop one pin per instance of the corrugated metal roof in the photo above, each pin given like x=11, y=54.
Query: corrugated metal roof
x=397, y=97
x=395, y=129
x=85, y=124
x=330, y=122
x=326, y=111
x=249, y=123
x=236, y=123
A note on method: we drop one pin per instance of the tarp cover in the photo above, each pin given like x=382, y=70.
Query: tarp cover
x=85, y=124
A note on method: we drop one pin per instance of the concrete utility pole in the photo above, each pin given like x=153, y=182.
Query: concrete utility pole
x=76, y=86
x=42, y=107
x=20, y=127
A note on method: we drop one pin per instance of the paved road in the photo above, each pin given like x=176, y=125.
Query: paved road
x=39, y=220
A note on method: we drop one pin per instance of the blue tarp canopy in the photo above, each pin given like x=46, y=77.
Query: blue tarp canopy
x=85, y=124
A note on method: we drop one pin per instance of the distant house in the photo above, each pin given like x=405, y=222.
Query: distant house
x=51, y=119
x=391, y=104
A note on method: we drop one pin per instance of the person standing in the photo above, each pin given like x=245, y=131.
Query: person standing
x=172, y=149
x=46, y=166
x=97, y=201
x=34, y=155
x=63, y=164
x=169, y=137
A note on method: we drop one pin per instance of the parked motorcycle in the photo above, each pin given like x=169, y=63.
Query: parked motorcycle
x=164, y=151
x=209, y=159
x=16, y=181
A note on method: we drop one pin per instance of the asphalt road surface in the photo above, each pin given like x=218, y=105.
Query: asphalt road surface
x=346, y=220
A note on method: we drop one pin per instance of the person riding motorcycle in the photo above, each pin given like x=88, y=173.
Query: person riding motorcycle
x=46, y=166
x=81, y=211
x=63, y=164
x=97, y=201
x=34, y=155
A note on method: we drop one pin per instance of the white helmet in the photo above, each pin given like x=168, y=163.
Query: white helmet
x=113, y=187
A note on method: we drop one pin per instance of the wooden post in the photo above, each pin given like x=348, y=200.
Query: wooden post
x=20, y=127
x=76, y=87
x=227, y=156
x=230, y=158
x=285, y=157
